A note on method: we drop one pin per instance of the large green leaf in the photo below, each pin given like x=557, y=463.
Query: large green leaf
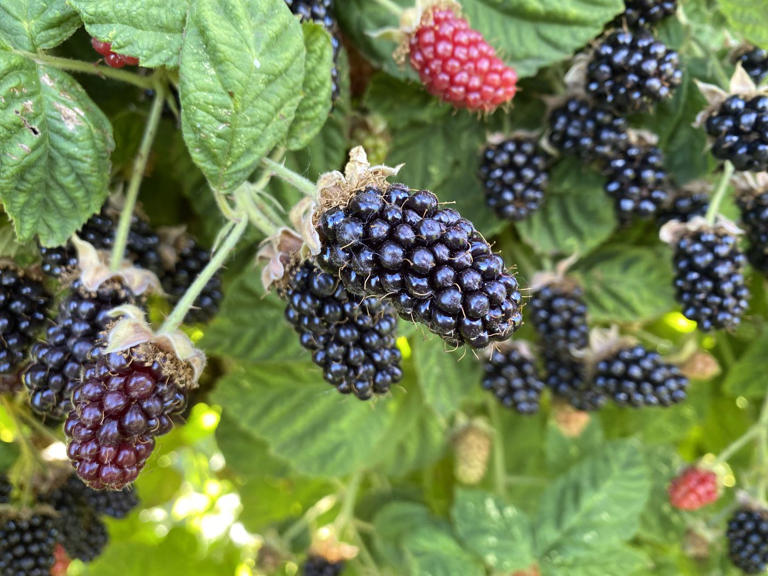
x=150, y=30
x=564, y=451
x=393, y=524
x=245, y=454
x=620, y=560
x=749, y=17
x=55, y=144
x=36, y=24
x=431, y=552
x=576, y=216
x=598, y=502
x=236, y=109
x=747, y=376
x=495, y=531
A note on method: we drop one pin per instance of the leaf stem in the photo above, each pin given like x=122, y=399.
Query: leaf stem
x=89, y=68
x=137, y=175
x=720, y=193
x=737, y=445
x=306, y=187
x=499, y=465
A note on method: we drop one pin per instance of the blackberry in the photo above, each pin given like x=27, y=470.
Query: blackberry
x=559, y=314
x=755, y=63
x=428, y=261
x=319, y=566
x=637, y=182
x=511, y=375
x=81, y=532
x=353, y=341
x=635, y=376
x=683, y=206
x=709, y=278
x=566, y=377
x=23, y=307
x=57, y=361
x=191, y=261
x=754, y=217
x=321, y=12
x=591, y=133
x=515, y=174
x=642, y=13
x=26, y=545
x=747, y=536
x=631, y=71
x=125, y=400
x=740, y=129
x=115, y=504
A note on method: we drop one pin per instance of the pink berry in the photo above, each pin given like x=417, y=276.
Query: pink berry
x=693, y=488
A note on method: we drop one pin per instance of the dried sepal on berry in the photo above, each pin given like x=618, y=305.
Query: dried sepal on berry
x=672, y=232
x=279, y=253
x=740, y=84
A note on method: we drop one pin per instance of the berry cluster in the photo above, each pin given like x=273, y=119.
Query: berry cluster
x=637, y=181
x=693, y=489
x=457, y=65
x=577, y=127
x=511, y=376
x=755, y=63
x=125, y=400
x=514, y=174
x=191, y=261
x=754, y=218
x=26, y=545
x=643, y=13
x=353, y=341
x=319, y=566
x=631, y=71
x=81, y=532
x=740, y=129
x=113, y=503
x=747, y=536
x=23, y=307
x=683, y=206
x=709, y=278
x=112, y=59
x=428, y=261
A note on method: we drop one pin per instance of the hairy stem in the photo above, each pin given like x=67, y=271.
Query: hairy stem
x=290, y=177
x=137, y=175
x=720, y=193
x=499, y=464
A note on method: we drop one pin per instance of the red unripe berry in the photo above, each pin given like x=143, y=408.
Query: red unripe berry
x=693, y=488
x=103, y=48
x=110, y=58
x=456, y=64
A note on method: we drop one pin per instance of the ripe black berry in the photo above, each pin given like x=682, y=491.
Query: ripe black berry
x=515, y=174
x=642, y=13
x=740, y=130
x=755, y=63
x=112, y=503
x=511, y=375
x=709, y=278
x=566, y=377
x=126, y=400
x=635, y=376
x=319, y=566
x=637, y=181
x=591, y=133
x=747, y=536
x=58, y=360
x=26, y=545
x=631, y=71
x=81, y=532
x=428, y=261
x=353, y=341
x=5, y=489
x=23, y=307
x=754, y=218
x=191, y=261
x=683, y=206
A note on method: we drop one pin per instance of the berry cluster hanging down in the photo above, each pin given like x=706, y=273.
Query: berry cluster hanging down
x=577, y=127
x=637, y=182
x=740, y=131
x=26, y=544
x=511, y=375
x=747, y=536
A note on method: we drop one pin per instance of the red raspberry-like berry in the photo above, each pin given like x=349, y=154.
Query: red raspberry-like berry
x=112, y=59
x=693, y=488
x=456, y=64
x=61, y=561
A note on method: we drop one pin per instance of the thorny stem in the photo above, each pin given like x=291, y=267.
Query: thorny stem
x=499, y=465
x=720, y=193
x=290, y=177
x=89, y=68
x=137, y=174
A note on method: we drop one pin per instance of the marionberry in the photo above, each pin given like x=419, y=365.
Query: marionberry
x=693, y=488
x=754, y=218
x=637, y=182
x=643, y=13
x=631, y=71
x=709, y=278
x=411, y=262
x=515, y=174
x=81, y=532
x=755, y=63
x=26, y=545
x=190, y=262
x=747, y=536
x=319, y=566
x=23, y=308
x=566, y=377
x=740, y=129
x=112, y=503
x=512, y=377
x=352, y=340
x=111, y=58
x=578, y=128
x=456, y=64
x=683, y=206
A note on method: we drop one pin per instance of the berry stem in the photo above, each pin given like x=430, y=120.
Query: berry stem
x=347, y=511
x=317, y=509
x=737, y=445
x=290, y=177
x=392, y=7
x=720, y=193
x=137, y=174
x=88, y=68
x=499, y=464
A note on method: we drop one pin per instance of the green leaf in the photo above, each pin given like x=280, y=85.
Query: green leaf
x=627, y=284
x=236, y=109
x=498, y=533
x=749, y=17
x=393, y=524
x=616, y=561
x=432, y=552
x=55, y=144
x=246, y=455
x=747, y=376
x=316, y=101
x=531, y=34
x=563, y=451
x=150, y=30
x=599, y=501
x=304, y=420
x=36, y=24
x=269, y=500
x=576, y=217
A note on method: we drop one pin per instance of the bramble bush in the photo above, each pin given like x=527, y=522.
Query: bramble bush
x=372, y=288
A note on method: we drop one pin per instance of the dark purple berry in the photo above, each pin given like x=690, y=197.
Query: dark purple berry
x=578, y=128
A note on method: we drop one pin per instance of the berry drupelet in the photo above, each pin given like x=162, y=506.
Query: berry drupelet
x=709, y=278
x=740, y=129
x=112, y=503
x=515, y=174
x=111, y=58
x=637, y=181
x=754, y=218
x=511, y=376
x=190, y=262
x=693, y=488
x=431, y=263
x=576, y=127
x=353, y=341
x=755, y=63
x=26, y=545
x=683, y=205
x=319, y=566
x=629, y=72
x=643, y=13
x=747, y=536
x=23, y=308
x=81, y=532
